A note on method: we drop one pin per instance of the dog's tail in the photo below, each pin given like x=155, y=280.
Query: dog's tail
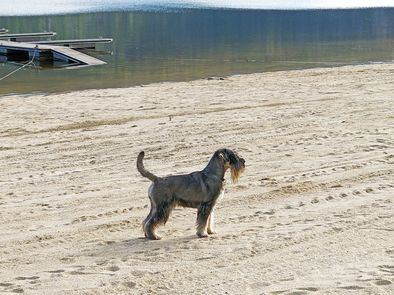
x=142, y=170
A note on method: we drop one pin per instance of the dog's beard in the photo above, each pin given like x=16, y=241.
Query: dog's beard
x=236, y=171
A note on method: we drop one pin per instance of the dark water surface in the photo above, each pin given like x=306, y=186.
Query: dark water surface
x=196, y=43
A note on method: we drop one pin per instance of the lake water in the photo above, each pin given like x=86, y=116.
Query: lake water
x=163, y=44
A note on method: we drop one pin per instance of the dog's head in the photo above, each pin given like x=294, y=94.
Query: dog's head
x=233, y=161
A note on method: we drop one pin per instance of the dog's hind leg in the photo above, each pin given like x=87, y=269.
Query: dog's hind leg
x=159, y=215
x=210, y=226
x=203, y=213
x=150, y=226
x=152, y=210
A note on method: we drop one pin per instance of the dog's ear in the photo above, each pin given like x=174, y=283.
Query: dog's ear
x=232, y=158
x=224, y=157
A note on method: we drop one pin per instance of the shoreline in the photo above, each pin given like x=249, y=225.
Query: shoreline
x=312, y=212
x=200, y=79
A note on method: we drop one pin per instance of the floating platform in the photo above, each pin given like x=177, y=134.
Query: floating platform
x=77, y=44
x=20, y=51
x=26, y=37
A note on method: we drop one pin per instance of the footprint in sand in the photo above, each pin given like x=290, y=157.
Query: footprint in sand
x=382, y=282
x=310, y=289
x=57, y=272
x=129, y=285
x=113, y=268
x=270, y=212
x=390, y=251
x=106, y=242
x=353, y=287
x=77, y=272
x=11, y=288
x=101, y=262
x=315, y=201
x=278, y=292
x=27, y=278
x=386, y=269
x=67, y=259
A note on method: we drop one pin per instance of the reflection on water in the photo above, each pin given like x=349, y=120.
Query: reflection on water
x=161, y=46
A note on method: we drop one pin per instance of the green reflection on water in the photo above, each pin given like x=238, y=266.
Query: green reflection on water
x=191, y=44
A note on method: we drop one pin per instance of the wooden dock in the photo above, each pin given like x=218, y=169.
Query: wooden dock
x=26, y=37
x=26, y=51
x=76, y=44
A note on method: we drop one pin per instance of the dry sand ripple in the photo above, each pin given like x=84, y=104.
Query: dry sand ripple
x=313, y=213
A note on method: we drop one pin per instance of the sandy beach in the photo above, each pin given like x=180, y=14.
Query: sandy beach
x=312, y=214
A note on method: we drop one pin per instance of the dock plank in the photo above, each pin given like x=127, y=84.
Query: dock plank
x=22, y=45
x=75, y=41
x=28, y=35
x=78, y=56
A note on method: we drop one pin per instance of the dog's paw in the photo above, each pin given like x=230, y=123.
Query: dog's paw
x=153, y=238
x=211, y=232
x=202, y=235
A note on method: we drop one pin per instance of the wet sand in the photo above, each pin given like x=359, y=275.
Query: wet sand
x=313, y=213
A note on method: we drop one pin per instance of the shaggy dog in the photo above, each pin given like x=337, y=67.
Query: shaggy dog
x=199, y=190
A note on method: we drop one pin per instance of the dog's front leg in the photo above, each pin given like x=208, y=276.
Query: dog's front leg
x=210, y=227
x=203, y=213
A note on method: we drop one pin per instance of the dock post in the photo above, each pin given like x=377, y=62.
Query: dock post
x=34, y=53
